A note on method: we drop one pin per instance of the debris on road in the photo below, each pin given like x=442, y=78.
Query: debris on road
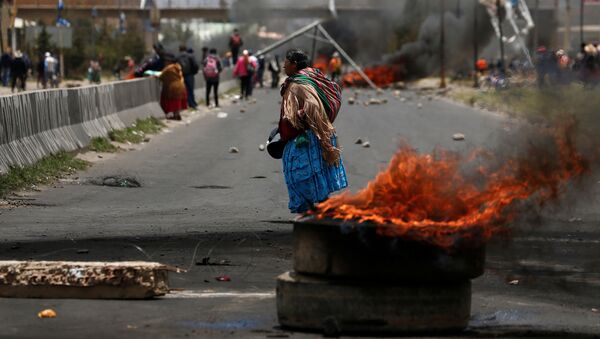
x=222, y=115
x=47, y=313
x=514, y=282
x=261, y=147
x=234, y=150
x=419, y=105
x=223, y=278
x=458, y=137
x=366, y=144
x=83, y=280
x=595, y=310
x=359, y=141
x=351, y=101
x=374, y=101
x=242, y=110
x=402, y=99
x=116, y=181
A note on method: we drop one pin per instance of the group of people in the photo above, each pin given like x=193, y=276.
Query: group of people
x=16, y=67
x=177, y=73
x=558, y=68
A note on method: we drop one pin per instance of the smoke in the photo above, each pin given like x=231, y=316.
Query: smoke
x=422, y=56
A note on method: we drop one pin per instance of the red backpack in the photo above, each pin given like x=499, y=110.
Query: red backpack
x=236, y=40
x=211, y=69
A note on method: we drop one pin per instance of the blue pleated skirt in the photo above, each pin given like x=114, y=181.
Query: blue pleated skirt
x=308, y=177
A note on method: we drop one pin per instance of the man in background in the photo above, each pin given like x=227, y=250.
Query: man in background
x=235, y=43
x=189, y=68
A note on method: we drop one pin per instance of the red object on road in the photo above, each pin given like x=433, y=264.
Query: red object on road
x=223, y=278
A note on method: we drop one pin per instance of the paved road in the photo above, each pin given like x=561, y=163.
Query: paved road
x=198, y=200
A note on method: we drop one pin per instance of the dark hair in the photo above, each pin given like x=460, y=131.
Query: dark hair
x=213, y=51
x=298, y=57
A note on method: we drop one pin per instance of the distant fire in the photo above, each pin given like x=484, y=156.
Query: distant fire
x=382, y=76
x=321, y=63
x=430, y=198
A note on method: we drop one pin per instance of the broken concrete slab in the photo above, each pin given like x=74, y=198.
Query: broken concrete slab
x=83, y=280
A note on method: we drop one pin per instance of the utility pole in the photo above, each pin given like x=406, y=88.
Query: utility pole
x=567, y=36
x=536, y=29
x=499, y=15
x=442, y=46
x=475, y=46
x=581, y=6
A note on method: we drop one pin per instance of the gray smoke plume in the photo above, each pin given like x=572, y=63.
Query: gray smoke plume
x=422, y=56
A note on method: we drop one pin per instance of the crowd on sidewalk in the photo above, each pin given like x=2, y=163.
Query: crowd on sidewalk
x=16, y=67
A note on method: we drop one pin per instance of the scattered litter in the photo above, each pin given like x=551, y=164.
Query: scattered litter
x=358, y=141
x=253, y=101
x=575, y=219
x=374, y=101
x=366, y=103
x=366, y=144
x=514, y=282
x=234, y=150
x=396, y=93
x=261, y=147
x=458, y=137
x=234, y=101
x=83, y=251
x=402, y=99
x=131, y=327
x=223, y=278
x=116, y=181
x=222, y=115
x=212, y=187
x=242, y=110
x=379, y=91
x=419, y=105
x=47, y=313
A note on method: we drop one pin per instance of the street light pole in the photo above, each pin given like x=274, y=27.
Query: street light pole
x=475, y=46
x=442, y=46
x=581, y=5
x=499, y=15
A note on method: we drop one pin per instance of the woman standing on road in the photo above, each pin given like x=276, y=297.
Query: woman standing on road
x=312, y=162
x=173, y=97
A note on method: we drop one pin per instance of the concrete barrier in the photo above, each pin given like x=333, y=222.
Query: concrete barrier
x=39, y=123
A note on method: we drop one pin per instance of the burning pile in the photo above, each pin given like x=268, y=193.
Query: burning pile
x=433, y=198
x=381, y=75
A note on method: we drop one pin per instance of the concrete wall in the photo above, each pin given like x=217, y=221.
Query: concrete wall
x=36, y=124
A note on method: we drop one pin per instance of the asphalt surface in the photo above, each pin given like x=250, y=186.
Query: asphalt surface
x=200, y=201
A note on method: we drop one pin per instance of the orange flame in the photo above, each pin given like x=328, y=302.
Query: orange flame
x=321, y=63
x=382, y=76
x=428, y=198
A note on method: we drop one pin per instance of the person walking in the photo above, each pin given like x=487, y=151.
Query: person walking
x=51, y=70
x=189, y=68
x=211, y=68
x=155, y=63
x=18, y=72
x=173, y=96
x=335, y=66
x=260, y=71
x=312, y=161
x=5, y=65
x=235, y=43
x=275, y=69
x=244, y=69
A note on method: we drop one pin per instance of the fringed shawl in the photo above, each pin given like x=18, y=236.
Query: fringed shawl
x=310, y=100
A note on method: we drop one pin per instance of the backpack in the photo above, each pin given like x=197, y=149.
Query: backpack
x=184, y=62
x=211, y=69
x=250, y=68
x=236, y=41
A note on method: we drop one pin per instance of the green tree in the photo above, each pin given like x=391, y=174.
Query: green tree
x=43, y=43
